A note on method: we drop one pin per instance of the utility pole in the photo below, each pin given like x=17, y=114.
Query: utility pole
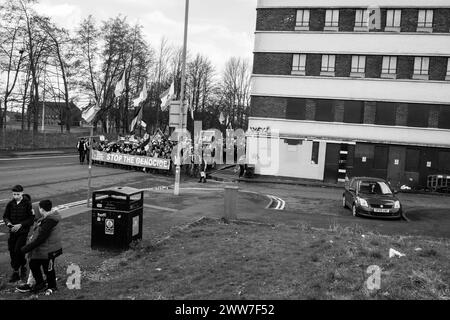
x=183, y=81
x=43, y=99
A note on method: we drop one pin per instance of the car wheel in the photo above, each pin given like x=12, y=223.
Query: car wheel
x=344, y=204
x=355, y=213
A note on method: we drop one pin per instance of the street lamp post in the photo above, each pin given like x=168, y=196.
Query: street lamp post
x=183, y=81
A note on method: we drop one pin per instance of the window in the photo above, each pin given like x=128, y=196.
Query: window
x=418, y=115
x=421, y=67
x=296, y=109
x=412, y=160
x=393, y=20
x=425, y=23
x=358, y=66
x=332, y=20
x=361, y=20
x=299, y=64
x=324, y=110
x=447, y=77
x=302, y=22
x=444, y=117
x=353, y=111
x=315, y=153
x=385, y=113
x=380, y=159
x=328, y=65
x=389, y=68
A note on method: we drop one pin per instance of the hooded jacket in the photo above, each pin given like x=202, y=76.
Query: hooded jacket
x=45, y=241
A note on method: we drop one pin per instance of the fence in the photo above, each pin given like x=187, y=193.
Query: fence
x=28, y=140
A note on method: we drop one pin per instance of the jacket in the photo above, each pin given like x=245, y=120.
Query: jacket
x=81, y=146
x=45, y=240
x=21, y=213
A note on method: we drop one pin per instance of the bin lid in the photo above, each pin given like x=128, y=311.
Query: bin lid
x=126, y=191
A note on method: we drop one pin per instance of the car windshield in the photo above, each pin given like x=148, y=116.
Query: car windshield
x=374, y=187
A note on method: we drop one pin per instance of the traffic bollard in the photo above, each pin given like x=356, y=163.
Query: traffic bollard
x=231, y=195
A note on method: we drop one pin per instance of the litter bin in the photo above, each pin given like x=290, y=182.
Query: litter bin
x=116, y=217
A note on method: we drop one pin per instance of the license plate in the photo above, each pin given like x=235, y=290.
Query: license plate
x=381, y=210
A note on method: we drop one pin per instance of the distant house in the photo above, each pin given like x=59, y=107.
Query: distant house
x=55, y=113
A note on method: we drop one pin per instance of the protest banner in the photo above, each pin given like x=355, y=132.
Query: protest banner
x=131, y=160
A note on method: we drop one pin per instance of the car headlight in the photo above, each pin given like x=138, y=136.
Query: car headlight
x=397, y=204
x=363, y=202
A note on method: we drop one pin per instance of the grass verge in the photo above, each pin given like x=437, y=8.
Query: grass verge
x=211, y=259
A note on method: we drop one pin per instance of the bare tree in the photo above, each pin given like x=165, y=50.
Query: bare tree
x=11, y=51
x=235, y=91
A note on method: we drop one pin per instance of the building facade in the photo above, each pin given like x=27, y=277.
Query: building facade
x=354, y=90
x=55, y=113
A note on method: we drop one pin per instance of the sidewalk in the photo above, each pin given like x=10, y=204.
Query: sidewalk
x=35, y=152
x=227, y=174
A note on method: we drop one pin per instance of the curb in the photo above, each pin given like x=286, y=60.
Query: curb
x=306, y=184
x=276, y=182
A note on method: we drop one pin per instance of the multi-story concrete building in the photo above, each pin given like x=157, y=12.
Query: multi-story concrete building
x=351, y=96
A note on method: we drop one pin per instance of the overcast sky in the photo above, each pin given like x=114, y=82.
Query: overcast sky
x=218, y=29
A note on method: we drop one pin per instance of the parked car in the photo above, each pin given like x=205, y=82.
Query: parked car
x=371, y=197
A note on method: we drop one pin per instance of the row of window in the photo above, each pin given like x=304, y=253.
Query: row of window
x=386, y=113
x=367, y=19
x=389, y=68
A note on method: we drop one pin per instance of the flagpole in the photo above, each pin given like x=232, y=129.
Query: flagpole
x=176, y=189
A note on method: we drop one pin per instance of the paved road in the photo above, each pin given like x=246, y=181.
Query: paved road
x=63, y=179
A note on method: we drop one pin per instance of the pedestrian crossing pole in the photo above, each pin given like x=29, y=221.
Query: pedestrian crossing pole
x=176, y=189
x=90, y=167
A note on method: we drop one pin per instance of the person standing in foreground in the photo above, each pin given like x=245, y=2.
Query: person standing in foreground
x=18, y=217
x=44, y=247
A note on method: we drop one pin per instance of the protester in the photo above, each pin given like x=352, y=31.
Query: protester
x=45, y=246
x=81, y=147
x=18, y=217
x=203, y=167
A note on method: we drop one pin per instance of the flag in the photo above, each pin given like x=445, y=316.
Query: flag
x=137, y=119
x=190, y=107
x=221, y=118
x=120, y=86
x=90, y=112
x=167, y=96
x=141, y=97
x=229, y=126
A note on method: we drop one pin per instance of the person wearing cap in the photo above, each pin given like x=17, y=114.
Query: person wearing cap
x=18, y=217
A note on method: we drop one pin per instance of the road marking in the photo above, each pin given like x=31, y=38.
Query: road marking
x=281, y=204
x=33, y=158
x=3, y=200
x=2, y=234
x=160, y=208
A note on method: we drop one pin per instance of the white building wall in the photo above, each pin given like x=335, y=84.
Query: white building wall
x=373, y=43
x=337, y=131
x=408, y=91
x=286, y=161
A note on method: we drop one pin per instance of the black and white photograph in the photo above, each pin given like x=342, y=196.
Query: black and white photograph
x=222, y=158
